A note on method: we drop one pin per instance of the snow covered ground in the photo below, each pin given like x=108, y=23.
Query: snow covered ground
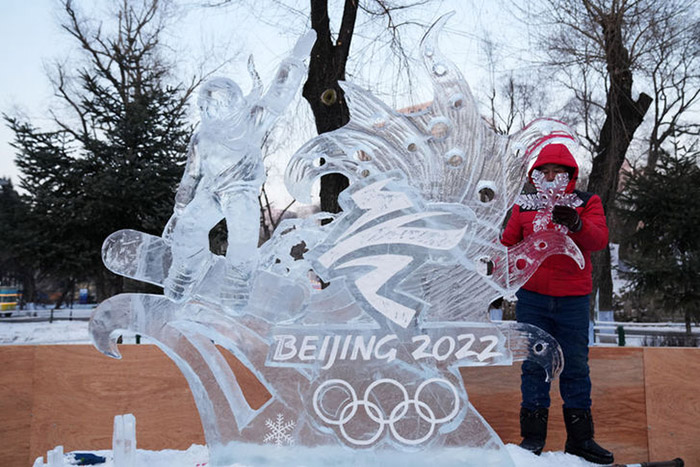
x=44, y=333
x=198, y=456
x=17, y=331
x=32, y=327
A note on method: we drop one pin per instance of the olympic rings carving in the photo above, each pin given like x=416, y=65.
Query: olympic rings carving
x=343, y=412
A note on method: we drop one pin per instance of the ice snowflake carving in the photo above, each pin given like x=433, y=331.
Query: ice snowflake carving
x=279, y=431
x=546, y=198
x=370, y=362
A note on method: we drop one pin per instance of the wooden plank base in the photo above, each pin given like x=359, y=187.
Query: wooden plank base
x=673, y=404
x=646, y=402
x=618, y=402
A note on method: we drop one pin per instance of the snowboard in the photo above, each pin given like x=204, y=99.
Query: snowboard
x=137, y=255
x=147, y=258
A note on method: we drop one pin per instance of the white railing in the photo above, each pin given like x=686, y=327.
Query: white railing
x=607, y=332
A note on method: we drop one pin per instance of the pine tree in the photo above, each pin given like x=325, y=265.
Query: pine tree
x=665, y=254
x=15, y=259
x=116, y=159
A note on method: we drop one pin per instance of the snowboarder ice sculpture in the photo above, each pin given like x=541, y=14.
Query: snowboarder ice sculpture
x=364, y=371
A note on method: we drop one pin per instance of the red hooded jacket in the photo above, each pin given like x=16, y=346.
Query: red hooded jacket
x=559, y=275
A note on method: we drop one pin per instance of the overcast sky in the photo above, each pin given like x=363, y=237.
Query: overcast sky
x=33, y=40
x=28, y=33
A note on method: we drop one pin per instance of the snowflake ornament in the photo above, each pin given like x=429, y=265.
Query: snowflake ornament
x=279, y=431
x=546, y=198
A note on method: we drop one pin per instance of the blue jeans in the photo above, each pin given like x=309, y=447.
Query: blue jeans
x=566, y=319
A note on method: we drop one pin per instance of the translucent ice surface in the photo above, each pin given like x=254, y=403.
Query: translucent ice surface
x=223, y=176
x=124, y=440
x=546, y=198
x=364, y=369
x=459, y=171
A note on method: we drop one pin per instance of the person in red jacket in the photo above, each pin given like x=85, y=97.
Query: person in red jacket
x=556, y=299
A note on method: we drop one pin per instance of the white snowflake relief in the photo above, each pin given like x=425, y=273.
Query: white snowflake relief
x=279, y=431
x=546, y=198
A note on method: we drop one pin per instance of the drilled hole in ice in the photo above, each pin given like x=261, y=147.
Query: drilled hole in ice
x=539, y=347
x=485, y=266
x=439, y=129
x=486, y=195
x=455, y=160
x=362, y=156
x=520, y=264
x=439, y=69
x=457, y=101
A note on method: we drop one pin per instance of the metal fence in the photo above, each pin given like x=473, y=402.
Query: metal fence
x=650, y=334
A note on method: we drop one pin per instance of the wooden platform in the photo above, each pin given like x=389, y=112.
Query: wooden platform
x=646, y=402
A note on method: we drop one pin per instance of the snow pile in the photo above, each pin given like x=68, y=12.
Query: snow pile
x=55, y=333
x=620, y=284
x=198, y=456
x=44, y=333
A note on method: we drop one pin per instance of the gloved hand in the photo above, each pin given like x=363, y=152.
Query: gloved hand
x=567, y=217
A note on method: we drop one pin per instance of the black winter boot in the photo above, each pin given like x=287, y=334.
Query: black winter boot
x=579, y=440
x=533, y=429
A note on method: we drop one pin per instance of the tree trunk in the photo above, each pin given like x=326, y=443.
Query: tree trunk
x=107, y=284
x=623, y=115
x=68, y=287
x=689, y=341
x=28, y=287
x=321, y=90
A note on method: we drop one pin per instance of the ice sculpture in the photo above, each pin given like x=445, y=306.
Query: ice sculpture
x=546, y=197
x=223, y=176
x=124, y=440
x=54, y=458
x=365, y=370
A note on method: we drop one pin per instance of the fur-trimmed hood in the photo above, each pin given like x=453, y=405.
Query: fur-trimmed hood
x=557, y=154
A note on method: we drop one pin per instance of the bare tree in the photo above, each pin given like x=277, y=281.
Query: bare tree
x=515, y=97
x=382, y=23
x=321, y=90
x=672, y=66
x=597, y=45
x=327, y=67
